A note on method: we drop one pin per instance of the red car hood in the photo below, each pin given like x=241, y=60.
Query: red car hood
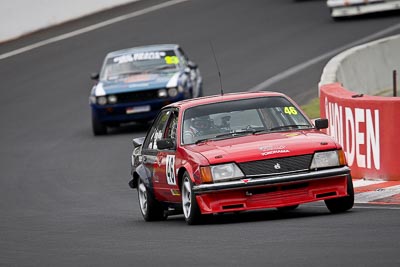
x=264, y=146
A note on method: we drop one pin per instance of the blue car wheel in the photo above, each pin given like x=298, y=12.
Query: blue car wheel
x=98, y=127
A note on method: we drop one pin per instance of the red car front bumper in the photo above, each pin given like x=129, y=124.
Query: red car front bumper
x=273, y=195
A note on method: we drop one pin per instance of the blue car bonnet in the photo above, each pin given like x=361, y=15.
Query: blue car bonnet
x=142, y=81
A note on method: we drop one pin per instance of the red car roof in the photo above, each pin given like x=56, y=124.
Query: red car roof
x=221, y=98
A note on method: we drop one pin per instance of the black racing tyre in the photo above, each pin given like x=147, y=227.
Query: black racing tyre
x=200, y=94
x=114, y=124
x=342, y=204
x=288, y=208
x=98, y=127
x=150, y=208
x=190, y=207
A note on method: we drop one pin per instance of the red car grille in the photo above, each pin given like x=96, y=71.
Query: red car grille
x=276, y=166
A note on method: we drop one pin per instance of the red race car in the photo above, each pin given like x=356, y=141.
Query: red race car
x=237, y=152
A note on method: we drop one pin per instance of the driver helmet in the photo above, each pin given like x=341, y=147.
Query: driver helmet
x=201, y=124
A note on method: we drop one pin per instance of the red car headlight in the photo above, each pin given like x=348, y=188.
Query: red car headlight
x=221, y=172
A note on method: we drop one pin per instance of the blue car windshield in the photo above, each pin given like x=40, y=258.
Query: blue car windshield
x=121, y=66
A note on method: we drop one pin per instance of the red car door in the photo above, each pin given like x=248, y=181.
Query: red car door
x=168, y=183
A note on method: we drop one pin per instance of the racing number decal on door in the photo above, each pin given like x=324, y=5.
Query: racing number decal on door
x=170, y=170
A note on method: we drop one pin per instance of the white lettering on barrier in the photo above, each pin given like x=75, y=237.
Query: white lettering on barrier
x=359, y=129
x=350, y=144
x=373, y=139
x=359, y=137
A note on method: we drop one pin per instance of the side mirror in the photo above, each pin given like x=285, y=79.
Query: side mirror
x=167, y=143
x=321, y=123
x=138, y=141
x=94, y=76
x=192, y=65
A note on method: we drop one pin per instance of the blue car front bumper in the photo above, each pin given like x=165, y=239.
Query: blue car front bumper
x=129, y=112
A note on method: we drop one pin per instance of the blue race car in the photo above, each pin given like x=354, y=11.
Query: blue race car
x=135, y=83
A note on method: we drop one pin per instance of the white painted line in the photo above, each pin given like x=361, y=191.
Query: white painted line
x=388, y=206
x=374, y=195
x=377, y=207
x=295, y=69
x=361, y=182
x=91, y=28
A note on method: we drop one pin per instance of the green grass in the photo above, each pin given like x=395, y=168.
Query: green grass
x=312, y=108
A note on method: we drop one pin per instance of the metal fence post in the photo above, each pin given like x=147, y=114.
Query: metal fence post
x=394, y=83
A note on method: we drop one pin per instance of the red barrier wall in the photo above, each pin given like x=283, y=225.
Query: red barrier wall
x=368, y=128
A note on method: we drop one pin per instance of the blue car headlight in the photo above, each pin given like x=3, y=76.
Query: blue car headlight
x=112, y=99
x=172, y=92
x=162, y=93
x=102, y=100
x=92, y=99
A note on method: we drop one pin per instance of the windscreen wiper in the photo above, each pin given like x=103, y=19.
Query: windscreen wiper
x=164, y=67
x=289, y=126
x=236, y=133
x=202, y=140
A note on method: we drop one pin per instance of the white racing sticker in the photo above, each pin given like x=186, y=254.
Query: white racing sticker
x=139, y=56
x=279, y=151
x=170, y=170
x=123, y=59
x=148, y=55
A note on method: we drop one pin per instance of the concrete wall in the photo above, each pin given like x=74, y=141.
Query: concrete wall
x=366, y=68
x=20, y=17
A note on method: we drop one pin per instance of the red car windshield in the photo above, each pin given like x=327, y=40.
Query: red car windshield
x=240, y=117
